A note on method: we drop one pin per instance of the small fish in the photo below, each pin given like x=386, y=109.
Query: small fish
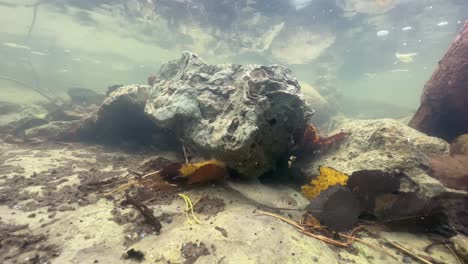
x=406, y=28
x=405, y=57
x=39, y=53
x=15, y=45
x=442, y=23
x=400, y=70
x=382, y=33
x=277, y=196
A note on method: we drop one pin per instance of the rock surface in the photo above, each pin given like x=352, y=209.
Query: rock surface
x=120, y=118
x=390, y=146
x=460, y=145
x=444, y=104
x=244, y=115
x=28, y=116
x=84, y=96
x=50, y=131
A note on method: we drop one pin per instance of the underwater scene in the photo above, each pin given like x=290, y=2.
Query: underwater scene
x=234, y=131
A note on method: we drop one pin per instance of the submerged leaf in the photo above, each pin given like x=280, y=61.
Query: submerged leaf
x=195, y=173
x=336, y=208
x=367, y=185
x=328, y=177
x=207, y=173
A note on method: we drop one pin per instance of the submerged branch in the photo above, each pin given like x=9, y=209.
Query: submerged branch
x=28, y=86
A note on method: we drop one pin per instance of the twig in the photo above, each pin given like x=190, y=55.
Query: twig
x=28, y=86
x=351, y=238
x=199, y=199
x=145, y=211
x=329, y=126
x=185, y=153
x=408, y=252
x=326, y=239
x=289, y=221
x=150, y=174
x=372, y=246
x=453, y=253
x=28, y=56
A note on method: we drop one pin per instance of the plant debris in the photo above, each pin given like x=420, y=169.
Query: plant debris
x=195, y=173
x=192, y=251
x=367, y=185
x=336, y=208
x=19, y=245
x=134, y=254
x=222, y=230
x=309, y=140
x=190, y=174
x=145, y=211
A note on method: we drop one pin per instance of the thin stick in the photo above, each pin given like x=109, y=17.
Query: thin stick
x=199, y=199
x=407, y=251
x=453, y=253
x=150, y=174
x=329, y=126
x=185, y=153
x=372, y=246
x=37, y=90
x=289, y=221
x=326, y=239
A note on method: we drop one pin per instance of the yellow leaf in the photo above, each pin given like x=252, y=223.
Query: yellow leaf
x=203, y=172
x=328, y=177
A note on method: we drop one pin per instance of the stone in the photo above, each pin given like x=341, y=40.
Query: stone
x=243, y=115
x=62, y=114
x=388, y=148
x=8, y=108
x=321, y=107
x=84, y=96
x=120, y=118
x=459, y=146
x=51, y=131
x=15, y=123
x=444, y=103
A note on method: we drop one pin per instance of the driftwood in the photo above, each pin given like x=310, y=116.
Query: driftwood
x=444, y=103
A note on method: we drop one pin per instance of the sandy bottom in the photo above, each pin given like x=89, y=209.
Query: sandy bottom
x=52, y=209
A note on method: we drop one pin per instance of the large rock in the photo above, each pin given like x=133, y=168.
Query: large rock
x=18, y=121
x=322, y=109
x=244, y=115
x=444, y=104
x=121, y=118
x=390, y=151
x=84, y=97
x=50, y=131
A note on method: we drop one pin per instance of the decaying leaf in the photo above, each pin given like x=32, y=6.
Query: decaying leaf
x=191, y=173
x=195, y=173
x=336, y=208
x=367, y=185
x=328, y=177
x=311, y=222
